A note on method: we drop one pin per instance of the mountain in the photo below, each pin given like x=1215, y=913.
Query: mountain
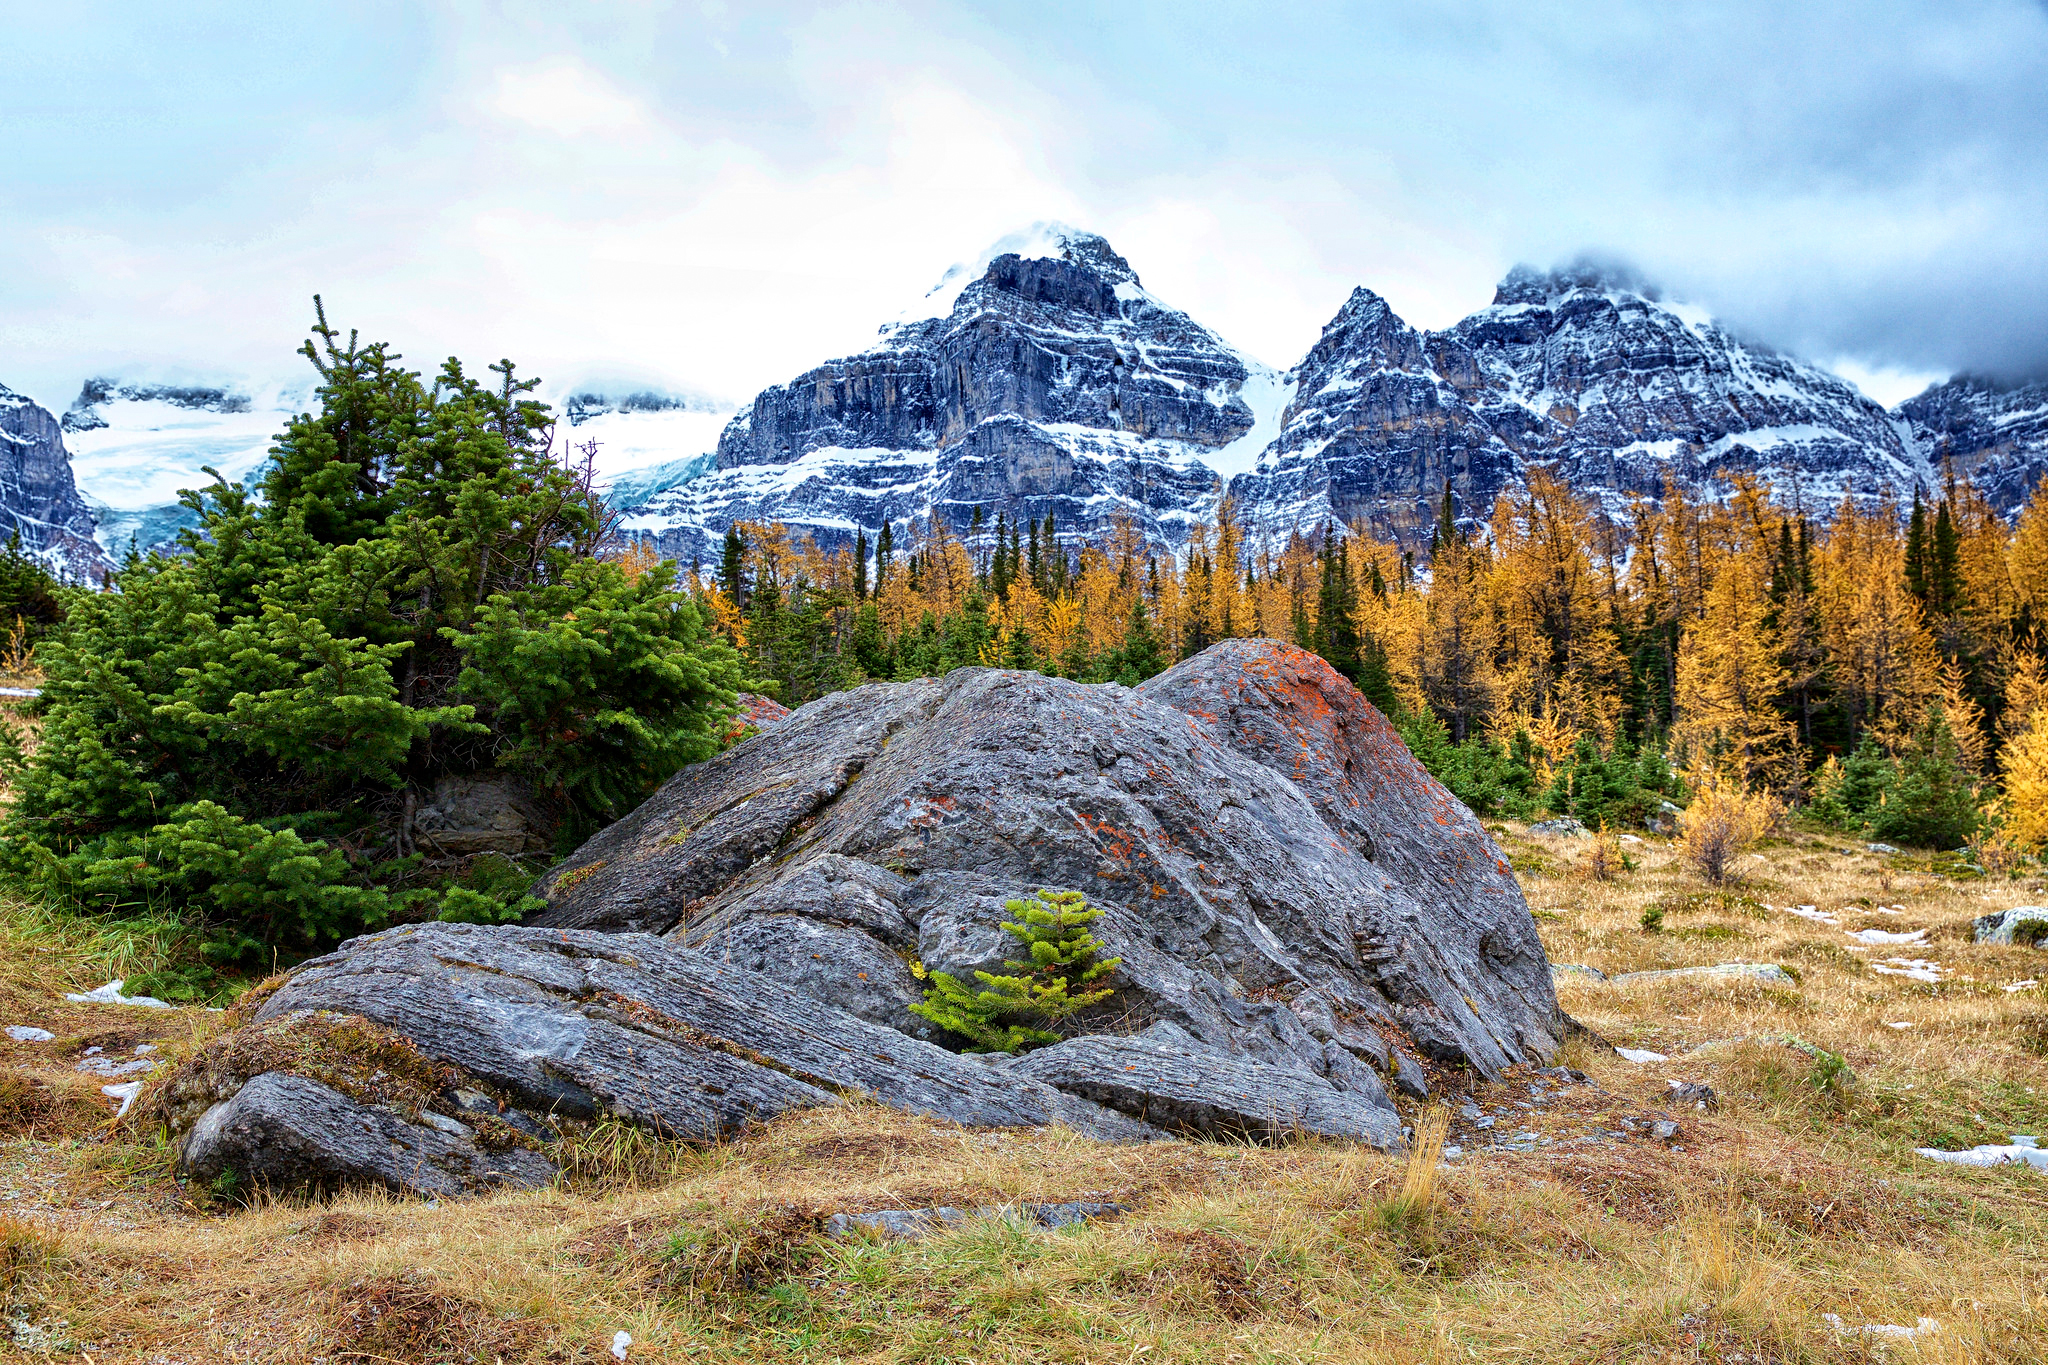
x=1994, y=433
x=39, y=502
x=1044, y=378
x=135, y=444
x=1584, y=369
x=648, y=441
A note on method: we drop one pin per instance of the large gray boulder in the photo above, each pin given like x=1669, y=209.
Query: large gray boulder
x=1253, y=829
x=1303, y=917
x=530, y=1034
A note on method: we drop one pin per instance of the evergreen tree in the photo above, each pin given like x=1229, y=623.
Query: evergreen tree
x=733, y=567
x=885, y=553
x=1011, y=1012
x=1336, y=601
x=1916, y=550
x=1141, y=656
x=1932, y=799
x=860, y=566
x=870, y=643
x=999, y=570
x=1944, y=578
x=244, y=733
x=1018, y=653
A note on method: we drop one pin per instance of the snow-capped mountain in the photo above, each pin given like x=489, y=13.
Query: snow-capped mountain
x=1044, y=378
x=135, y=444
x=1585, y=369
x=38, y=499
x=1995, y=434
x=649, y=441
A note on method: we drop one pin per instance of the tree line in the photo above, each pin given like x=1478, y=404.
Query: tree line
x=1880, y=664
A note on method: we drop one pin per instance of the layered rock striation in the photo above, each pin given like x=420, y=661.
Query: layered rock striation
x=1585, y=371
x=1050, y=382
x=39, y=502
x=1306, y=921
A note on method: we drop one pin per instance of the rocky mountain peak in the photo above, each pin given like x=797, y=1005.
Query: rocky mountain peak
x=1366, y=327
x=39, y=501
x=86, y=411
x=1526, y=285
x=1040, y=379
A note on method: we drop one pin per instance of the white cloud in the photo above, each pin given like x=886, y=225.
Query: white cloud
x=566, y=98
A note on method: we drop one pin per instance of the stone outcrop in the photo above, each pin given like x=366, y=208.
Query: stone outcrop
x=1305, y=920
x=38, y=499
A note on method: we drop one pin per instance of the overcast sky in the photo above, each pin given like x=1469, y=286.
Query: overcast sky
x=718, y=195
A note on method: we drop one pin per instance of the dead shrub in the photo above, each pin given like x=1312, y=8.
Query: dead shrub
x=30, y=1107
x=405, y=1317
x=1604, y=860
x=26, y=1252
x=749, y=1252
x=614, y=1155
x=1219, y=1270
x=1719, y=826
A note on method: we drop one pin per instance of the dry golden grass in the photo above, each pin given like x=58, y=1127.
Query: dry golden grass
x=1797, y=1197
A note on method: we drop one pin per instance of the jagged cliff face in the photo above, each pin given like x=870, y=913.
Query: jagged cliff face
x=1995, y=434
x=1053, y=382
x=1579, y=369
x=1382, y=416
x=38, y=500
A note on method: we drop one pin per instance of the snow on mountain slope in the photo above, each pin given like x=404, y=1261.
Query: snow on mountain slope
x=1583, y=370
x=135, y=445
x=1995, y=434
x=648, y=442
x=1042, y=378
x=39, y=502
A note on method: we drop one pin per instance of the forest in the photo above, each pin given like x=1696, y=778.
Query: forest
x=1877, y=665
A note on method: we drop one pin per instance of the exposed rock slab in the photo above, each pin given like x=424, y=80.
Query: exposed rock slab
x=287, y=1132
x=1253, y=830
x=2022, y=923
x=587, y=1025
x=1165, y=1078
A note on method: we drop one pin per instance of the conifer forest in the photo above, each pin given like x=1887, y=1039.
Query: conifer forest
x=1878, y=665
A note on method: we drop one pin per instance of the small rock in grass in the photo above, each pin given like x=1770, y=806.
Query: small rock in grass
x=2005, y=925
x=1880, y=848
x=29, y=1033
x=1558, y=969
x=910, y=1224
x=1566, y=827
x=1664, y=1130
x=1695, y=1093
x=1640, y=1055
x=1759, y=971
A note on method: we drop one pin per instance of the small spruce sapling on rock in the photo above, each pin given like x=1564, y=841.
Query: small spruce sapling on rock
x=1007, y=1014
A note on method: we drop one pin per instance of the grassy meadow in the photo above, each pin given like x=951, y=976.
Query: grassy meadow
x=1562, y=1230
